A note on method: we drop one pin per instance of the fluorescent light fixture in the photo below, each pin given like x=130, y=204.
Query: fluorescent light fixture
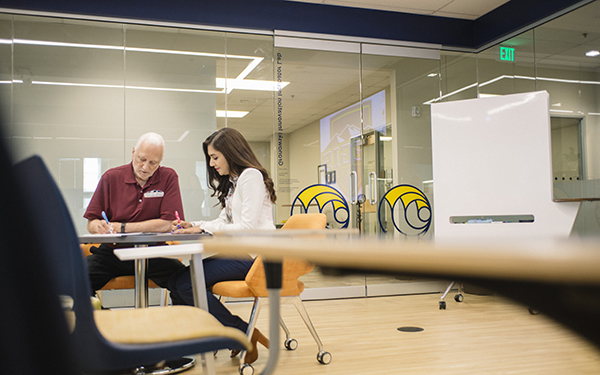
x=592, y=53
x=185, y=133
x=450, y=94
x=249, y=84
x=432, y=75
x=239, y=82
x=231, y=114
x=76, y=84
x=512, y=77
x=385, y=139
x=560, y=111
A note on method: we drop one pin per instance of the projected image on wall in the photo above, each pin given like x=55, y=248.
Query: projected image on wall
x=340, y=127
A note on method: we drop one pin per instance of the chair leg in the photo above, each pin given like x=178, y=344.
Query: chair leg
x=258, y=302
x=99, y=295
x=447, y=290
x=285, y=328
x=304, y=314
x=164, y=298
x=442, y=302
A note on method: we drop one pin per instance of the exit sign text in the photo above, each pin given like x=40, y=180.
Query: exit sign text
x=507, y=54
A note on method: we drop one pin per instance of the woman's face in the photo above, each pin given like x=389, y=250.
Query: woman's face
x=218, y=161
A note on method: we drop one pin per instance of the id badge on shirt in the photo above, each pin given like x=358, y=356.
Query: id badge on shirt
x=154, y=194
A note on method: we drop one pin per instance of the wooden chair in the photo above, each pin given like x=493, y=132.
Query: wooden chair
x=126, y=282
x=255, y=286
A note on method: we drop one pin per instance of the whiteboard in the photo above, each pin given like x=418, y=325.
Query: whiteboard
x=492, y=158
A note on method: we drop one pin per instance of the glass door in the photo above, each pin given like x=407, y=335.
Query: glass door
x=317, y=132
x=398, y=83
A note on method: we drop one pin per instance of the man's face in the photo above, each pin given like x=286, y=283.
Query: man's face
x=146, y=160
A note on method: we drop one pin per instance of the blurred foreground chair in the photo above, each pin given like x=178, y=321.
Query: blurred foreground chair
x=108, y=340
x=35, y=338
x=255, y=286
x=127, y=282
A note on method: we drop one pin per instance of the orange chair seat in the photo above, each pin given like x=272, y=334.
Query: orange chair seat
x=125, y=282
x=240, y=289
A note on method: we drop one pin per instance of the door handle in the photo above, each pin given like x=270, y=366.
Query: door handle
x=373, y=188
x=353, y=187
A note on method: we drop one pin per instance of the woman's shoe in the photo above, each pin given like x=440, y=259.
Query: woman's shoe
x=252, y=354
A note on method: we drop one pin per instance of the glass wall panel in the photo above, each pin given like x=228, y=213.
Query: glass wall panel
x=507, y=68
x=318, y=114
x=458, y=77
x=572, y=78
x=171, y=80
x=68, y=98
x=402, y=159
x=248, y=93
x=405, y=137
x=5, y=67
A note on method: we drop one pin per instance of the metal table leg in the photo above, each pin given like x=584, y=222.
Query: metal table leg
x=141, y=281
x=200, y=300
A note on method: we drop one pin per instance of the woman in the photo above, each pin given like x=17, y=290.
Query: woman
x=246, y=194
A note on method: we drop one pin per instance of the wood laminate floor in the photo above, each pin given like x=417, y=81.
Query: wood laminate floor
x=482, y=335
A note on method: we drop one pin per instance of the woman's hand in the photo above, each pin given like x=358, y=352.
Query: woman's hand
x=190, y=229
x=176, y=225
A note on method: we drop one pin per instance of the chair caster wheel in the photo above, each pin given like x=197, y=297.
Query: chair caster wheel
x=459, y=298
x=291, y=344
x=442, y=305
x=324, y=357
x=246, y=369
x=532, y=311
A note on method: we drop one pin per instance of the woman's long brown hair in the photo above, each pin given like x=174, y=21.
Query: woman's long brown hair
x=236, y=150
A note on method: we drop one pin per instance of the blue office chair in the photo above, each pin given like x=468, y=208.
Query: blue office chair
x=34, y=336
x=168, y=333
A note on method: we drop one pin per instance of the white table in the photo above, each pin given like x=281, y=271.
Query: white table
x=141, y=240
x=192, y=252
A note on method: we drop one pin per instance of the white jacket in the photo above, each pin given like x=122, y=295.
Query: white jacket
x=250, y=206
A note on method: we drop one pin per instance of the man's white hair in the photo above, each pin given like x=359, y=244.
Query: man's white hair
x=154, y=139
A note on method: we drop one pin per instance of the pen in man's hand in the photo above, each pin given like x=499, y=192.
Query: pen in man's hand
x=107, y=222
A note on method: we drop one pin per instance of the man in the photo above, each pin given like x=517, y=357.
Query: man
x=140, y=196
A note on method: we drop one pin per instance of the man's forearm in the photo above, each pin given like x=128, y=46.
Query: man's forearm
x=154, y=225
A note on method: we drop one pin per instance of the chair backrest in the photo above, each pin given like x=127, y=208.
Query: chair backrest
x=292, y=268
x=62, y=255
x=35, y=335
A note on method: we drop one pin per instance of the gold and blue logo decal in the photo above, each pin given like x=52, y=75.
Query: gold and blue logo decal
x=412, y=216
x=324, y=195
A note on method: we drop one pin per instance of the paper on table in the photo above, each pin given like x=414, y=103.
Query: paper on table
x=121, y=234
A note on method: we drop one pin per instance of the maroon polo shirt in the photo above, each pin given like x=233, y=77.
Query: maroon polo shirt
x=123, y=200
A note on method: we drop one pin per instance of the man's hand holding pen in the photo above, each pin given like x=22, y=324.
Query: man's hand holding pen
x=102, y=227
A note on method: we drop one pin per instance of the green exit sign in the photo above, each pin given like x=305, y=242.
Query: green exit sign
x=507, y=54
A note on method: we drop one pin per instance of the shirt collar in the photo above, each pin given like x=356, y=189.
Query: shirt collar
x=233, y=180
x=130, y=177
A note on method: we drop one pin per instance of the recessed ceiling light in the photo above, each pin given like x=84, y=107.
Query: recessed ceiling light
x=231, y=114
x=592, y=53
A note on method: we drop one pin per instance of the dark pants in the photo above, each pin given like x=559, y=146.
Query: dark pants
x=215, y=270
x=103, y=266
